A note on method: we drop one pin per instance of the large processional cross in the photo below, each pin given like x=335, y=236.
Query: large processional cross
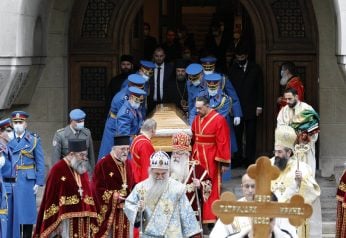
x=262, y=208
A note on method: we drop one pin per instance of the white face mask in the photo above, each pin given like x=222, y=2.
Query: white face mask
x=134, y=105
x=10, y=135
x=18, y=128
x=212, y=92
x=146, y=77
x=208, y=71
x=79, y=125
x=2, y=160
x=196, y=82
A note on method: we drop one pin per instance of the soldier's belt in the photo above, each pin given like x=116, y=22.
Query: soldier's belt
x=24, y=167
x=205, y=139
x=112, y=115
x=3, y=211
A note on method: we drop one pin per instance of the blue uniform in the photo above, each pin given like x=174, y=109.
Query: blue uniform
x=3, y=202
x=129, y=120
x=27, y=168
x=228, y=88
x=192, y=92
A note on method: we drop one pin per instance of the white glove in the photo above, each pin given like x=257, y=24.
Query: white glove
x=236, y=121
x=35, y=188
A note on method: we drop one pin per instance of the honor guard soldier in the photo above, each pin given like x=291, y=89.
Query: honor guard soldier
x=6, y=134
x=134, y=80
x=75, y=130
x=208, y=64
x=146, y=70
x=195, y=86
x=130, y=118
x=27, y=174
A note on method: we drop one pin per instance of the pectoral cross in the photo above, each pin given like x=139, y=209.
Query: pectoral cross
x=80, y=190
x=262, y=208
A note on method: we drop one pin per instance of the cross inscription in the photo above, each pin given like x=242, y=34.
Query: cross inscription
x=262, y=208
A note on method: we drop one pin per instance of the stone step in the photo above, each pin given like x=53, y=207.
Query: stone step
x=328, y=229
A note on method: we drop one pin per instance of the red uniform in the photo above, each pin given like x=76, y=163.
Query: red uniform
x=211, y=147
x=112, y=176
x=62, y=200
x=141, y=150
x=297, y=84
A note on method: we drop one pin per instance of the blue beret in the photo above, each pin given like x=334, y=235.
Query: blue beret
x=212, y=77
x=5, y=123
x=77, y=114
x=147, y=64
x=208, y=59
x=136, y=79
x=194, y=69
x=138, y=91
x=19, y=116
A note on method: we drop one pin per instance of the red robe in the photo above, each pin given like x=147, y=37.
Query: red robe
x=107, y=179
x=211, y=147
x=141, y=150
x=341, y=206
x=297, y=84
x=61, y=200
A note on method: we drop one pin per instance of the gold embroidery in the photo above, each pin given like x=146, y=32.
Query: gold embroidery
x=107, y=195
x=342, y=187
x=53, y=209
x=89, y=200
x=72, y=200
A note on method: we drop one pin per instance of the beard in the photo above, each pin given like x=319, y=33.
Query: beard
x=180, y=168
x=80, y=166
x=157, y=188
x=281, y=163
x=292, y=105
x=283, y=81
x=180, y=78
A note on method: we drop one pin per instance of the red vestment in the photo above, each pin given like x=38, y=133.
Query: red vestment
x=341, y=207
x=297, y=84
x=211, y=147
x=108, y=178
x=141, y=150
x=61, y=200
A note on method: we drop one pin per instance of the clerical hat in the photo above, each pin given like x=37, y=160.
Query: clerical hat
x=159, y=160
x=121, y=140
x=285, y=136
x=128, y=58
x=181, y=141
x=77, y=145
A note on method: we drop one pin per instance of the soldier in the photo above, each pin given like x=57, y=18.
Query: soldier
x=75, y=130
x=118, y=100
x=130, y=119
x=146, y=70
x=195, y=86
x=6, y=134
x=27, y=174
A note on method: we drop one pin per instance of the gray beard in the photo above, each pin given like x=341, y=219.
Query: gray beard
x=157, y=188
x=284, y=80
x=180, y=170
x=80, y=166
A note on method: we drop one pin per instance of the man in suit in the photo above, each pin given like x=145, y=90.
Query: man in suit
x=27, y=175
x=246, y=77
x=75, y=130
x=161, y=81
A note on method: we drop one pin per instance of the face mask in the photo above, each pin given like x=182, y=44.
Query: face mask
x=18, y=128
x=212, y=92
x=208, y=71
x=242, y=62
x=10, y=135
x=2, y=160
x=134, y=105
x=282, y=73
x=79, y=126
x=146, y=77
x=196, y=82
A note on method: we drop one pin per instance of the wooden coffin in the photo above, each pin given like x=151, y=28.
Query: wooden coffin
x=170, y=120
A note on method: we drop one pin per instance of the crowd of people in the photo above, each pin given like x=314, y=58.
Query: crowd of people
x=131, y=190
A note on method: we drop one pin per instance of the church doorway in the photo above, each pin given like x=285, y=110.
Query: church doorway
x=277, y=31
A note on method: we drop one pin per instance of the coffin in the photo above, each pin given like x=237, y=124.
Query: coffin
x=170, y=120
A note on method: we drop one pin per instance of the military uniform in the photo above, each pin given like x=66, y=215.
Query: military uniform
x=25, y=170
x=60, y=143
x=129, y=120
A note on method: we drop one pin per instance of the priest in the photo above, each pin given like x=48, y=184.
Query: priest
x=112, y=183
x=68, y=208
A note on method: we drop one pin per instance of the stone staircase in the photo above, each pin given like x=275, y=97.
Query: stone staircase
x=328, y=201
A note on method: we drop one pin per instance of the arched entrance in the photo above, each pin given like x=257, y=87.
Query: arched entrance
x=100, y=31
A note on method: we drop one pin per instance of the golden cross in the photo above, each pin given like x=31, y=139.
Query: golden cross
x=262, y=208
